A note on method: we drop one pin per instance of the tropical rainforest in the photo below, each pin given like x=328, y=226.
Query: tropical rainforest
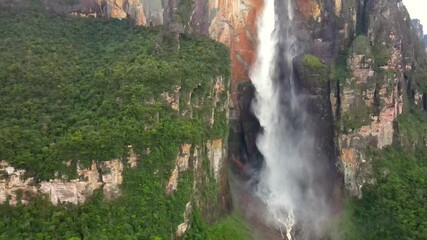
x=82, y=89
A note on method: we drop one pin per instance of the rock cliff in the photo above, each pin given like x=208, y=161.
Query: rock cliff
x=365, y=102
x=369, y=50
x=359, y=66
x=418, y=28
x=16, y=187
x=425, y=41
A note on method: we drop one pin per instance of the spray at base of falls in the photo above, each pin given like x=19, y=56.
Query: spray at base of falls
x=287, y=180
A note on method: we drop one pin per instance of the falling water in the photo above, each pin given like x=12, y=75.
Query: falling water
x=287, y=179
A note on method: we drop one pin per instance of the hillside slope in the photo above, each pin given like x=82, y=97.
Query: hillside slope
x=126, y=122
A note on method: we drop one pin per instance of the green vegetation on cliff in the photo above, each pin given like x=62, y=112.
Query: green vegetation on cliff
x=230, y=228
x=84, y=89
x=312, y=72
x=360, y=45
x=394, y=202
x=395, y=207
x=315, y=67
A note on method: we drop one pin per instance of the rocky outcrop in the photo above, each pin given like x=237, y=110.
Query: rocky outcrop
x=173, y=98
x=215, y=152
x=181, y=165
x=183, y=227
x=112, y=178
x=190, y=156
x=425, y=41
x=16, y=187
x=140, y=12
x=418, y=28
x=311, y=9
x=14, y=183
x=207, y=176
x=132, y=159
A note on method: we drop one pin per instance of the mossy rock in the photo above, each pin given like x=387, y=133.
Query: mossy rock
x=382, y=51
x=361, y=46
x=312, y=73
x=356, y=117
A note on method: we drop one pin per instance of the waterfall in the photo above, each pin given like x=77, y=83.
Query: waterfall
x=287, y=182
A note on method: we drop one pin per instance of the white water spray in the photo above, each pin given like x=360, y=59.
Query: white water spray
x=286, y=179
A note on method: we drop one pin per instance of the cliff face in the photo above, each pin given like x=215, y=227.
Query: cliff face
x=366, y=47
x=366, y=42
x=370, y=50
x=372, y=95
x=425, y=41
x=107, y=175
x=418, y=28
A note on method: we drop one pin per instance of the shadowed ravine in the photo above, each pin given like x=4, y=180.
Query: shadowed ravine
x=294, y=183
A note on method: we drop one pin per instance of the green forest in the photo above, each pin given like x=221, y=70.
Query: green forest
x=84, y=89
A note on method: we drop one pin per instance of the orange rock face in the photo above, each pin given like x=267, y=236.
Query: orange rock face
x=135, y=9
x=117, y=9
x=309, y=8
x=235, y=26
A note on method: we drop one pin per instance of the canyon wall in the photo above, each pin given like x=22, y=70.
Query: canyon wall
x=365, y=45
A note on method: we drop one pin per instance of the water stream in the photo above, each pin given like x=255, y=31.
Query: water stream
x=287, y=180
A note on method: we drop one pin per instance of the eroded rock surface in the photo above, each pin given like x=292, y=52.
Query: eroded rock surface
x=183, y=227
x=16, y=186
x=371, y=99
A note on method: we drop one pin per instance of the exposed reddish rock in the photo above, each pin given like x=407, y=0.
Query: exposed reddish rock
x=235, y=26
x=117, y=9
x=309, y=8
